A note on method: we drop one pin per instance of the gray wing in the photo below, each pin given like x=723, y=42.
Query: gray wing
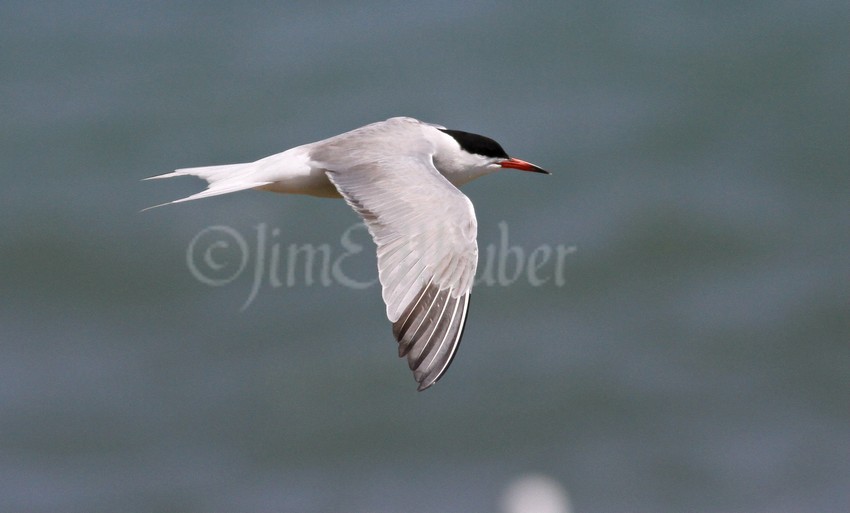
x=425, y=230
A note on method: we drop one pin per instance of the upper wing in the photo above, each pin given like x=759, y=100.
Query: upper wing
x=425, y=230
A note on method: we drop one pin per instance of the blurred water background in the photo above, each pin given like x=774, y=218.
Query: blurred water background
x=694, y=356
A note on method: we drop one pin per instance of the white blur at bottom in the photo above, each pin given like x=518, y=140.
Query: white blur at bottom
x=535, y=493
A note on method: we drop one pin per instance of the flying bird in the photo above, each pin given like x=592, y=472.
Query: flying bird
x=402, y=177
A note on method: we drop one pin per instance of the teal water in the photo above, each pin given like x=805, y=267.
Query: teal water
x=693, y=355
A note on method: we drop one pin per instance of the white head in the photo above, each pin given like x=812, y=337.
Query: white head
x=463, y=156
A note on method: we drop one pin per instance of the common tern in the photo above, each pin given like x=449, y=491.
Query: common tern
x=401, y=176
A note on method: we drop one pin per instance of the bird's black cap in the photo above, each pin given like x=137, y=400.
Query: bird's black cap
x=477, y=144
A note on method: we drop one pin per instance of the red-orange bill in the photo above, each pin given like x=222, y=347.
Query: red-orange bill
x=522, y=166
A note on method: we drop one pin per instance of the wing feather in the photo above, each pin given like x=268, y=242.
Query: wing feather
x=424, y=228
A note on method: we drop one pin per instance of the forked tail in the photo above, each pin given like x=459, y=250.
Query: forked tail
x=221, y=179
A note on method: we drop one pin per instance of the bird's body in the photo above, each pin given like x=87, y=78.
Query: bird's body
x=401, y=176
